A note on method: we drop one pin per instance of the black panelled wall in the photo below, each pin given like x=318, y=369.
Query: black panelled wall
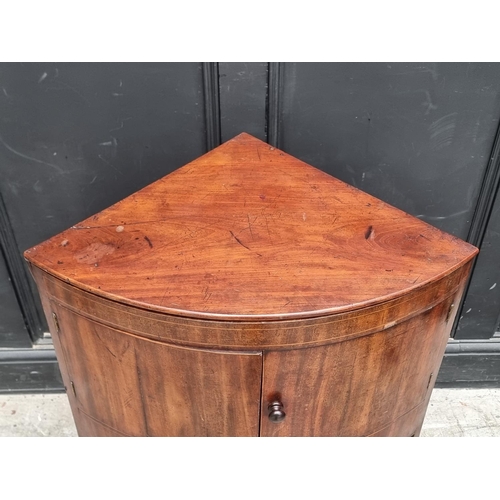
x=77, y=137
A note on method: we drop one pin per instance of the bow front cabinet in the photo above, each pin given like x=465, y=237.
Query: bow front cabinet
x=250, y=294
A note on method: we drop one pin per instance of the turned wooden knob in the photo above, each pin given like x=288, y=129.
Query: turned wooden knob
x=276, y=413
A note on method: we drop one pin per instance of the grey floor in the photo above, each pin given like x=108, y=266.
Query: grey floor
x=451, y=412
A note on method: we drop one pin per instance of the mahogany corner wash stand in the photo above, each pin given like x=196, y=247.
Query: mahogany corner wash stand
x=250, y=294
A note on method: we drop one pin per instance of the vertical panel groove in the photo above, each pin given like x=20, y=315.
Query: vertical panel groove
x=274, y=108
x=18, y=275
x=262, y=407
x=482, y=212
x=212, y=104
x=487, y=193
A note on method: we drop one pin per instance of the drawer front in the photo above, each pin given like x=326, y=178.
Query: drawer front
x=357, y=387
x=140, y=387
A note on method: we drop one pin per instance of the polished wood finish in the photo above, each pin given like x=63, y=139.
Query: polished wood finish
x=250, y=294
x=248, y=335
x=356, y=387
x=248, y=221
x=153, y=389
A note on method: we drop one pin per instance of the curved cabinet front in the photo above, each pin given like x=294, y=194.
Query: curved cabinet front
x=358, y=387
x=120, y=383
x=139, y=387
x=248, y=293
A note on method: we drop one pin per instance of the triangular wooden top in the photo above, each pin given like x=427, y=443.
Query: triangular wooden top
x=249, y=232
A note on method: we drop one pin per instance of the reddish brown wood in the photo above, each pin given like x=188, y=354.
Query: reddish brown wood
x=90, y=427
x=140, y=387
x=407, y=425
x=251, y=335
x=358, y=387
x=249, y=232
x=245, y=276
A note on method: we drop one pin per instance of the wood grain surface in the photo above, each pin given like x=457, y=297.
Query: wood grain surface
x=251, y=335
x=245, y=277
x=247, y=232
x=139, y=387
x=368, y=384
x=358, y=387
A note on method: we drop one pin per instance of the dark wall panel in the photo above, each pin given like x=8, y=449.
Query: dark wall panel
x=470, y=370
x=415, y=135
x=243, y=89
x=76, y=138
x=29, y=370
x=12, y=329
x=481, y=310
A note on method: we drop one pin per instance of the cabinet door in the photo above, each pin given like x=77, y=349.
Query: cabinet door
x=124, y=384
x=378, y=384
